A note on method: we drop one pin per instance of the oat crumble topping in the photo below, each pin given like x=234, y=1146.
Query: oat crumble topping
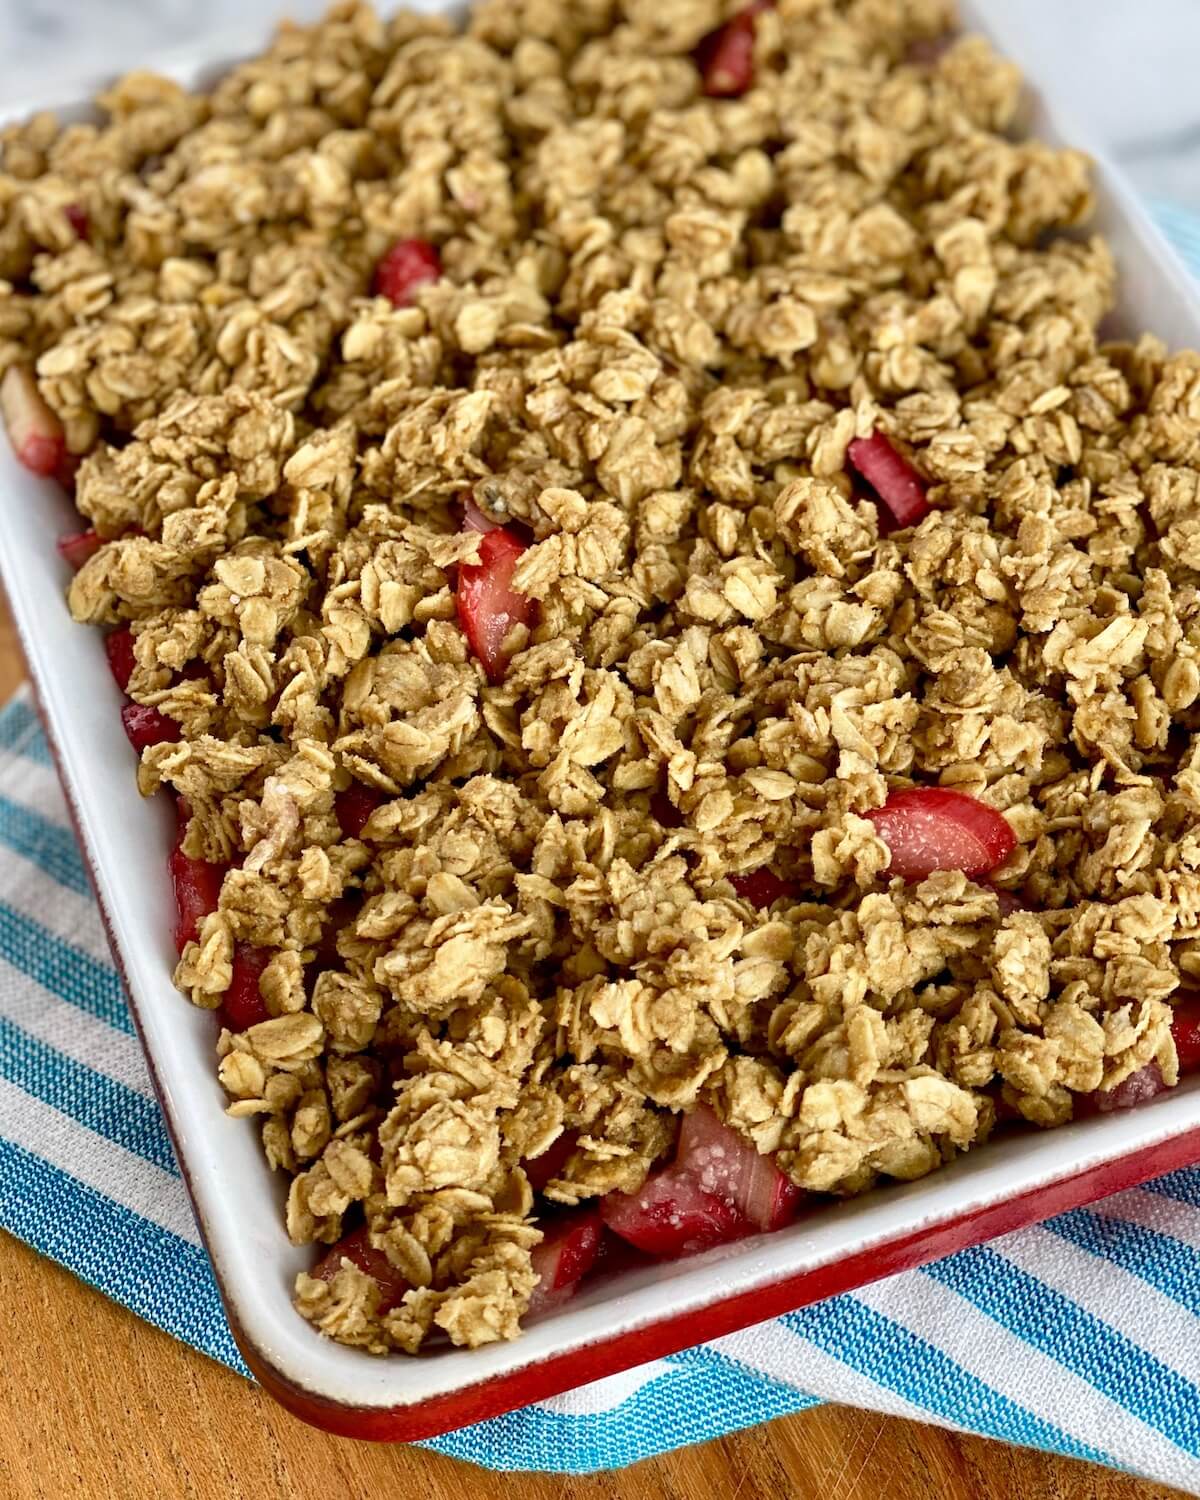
x=662, y=319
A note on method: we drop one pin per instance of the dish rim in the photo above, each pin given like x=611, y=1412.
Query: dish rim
x=608, y=1327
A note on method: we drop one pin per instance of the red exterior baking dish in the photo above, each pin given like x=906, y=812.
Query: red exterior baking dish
x=614, y=1323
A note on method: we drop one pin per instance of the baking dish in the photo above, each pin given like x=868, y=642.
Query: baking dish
x=612, y=1324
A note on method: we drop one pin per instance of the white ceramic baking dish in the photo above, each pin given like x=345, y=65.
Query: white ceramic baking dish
x=613, y=1324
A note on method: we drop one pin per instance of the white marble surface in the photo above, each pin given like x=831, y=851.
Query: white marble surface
x=1126, y=69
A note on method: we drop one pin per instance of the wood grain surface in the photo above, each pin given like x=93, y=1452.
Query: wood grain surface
x=95, y=1404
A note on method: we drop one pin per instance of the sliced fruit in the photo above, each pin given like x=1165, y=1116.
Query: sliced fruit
x=672, y=1215
x=891, y=476
x=726, y=1164
x=407, y=265
x=760, y=887
x=1148, y=1082
x=147, y=726
x=68, y=469
x=35, y=432
x=76, y=547
x=932, y=828
x=118, y=646
x=475, y=520
x=540, y=1169
x=725, y=57
x=243, y=1005
x=616, y=1255
x=354, y=806
x=1145, y=1084
x=338, y=914
x=197, y=885
x=662, y=808
x=356, y=1247
x=77, y=217
x=488, y=605
x=565, y=1256
x=1185, y=1028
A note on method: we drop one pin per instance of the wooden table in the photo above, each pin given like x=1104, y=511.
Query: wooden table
x=96, y=1404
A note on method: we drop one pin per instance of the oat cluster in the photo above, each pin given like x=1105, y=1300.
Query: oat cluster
x=663, y=319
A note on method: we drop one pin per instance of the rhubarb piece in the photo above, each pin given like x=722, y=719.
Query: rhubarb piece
x=197, y=885
x=147, y=726
x=932, y=828
x=1137, y=1089
x=731, y=1167
x=475, y=520
x=76, y=547
x=405, y=267
x=565, y=1256
x=1148, y=1082
x=356, y=1247
x=339, y=913
x=725, y=57
x=243, y=1004
x=540, y=1169
x=1185, y=1029
x=761, y=887
x=77, y=217
x=616, y=1256
x=488, y=605
x=197, y=891
x=118, y=646
x=354, y=806
x=68, y=469
x=35, y=432
x=892, y=478
x=662, y=808
x=671, y=1215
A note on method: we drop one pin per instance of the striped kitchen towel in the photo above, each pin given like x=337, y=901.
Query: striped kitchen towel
x=1080, y=1336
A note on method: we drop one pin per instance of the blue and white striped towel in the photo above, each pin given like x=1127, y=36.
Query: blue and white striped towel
x=1081, y=1336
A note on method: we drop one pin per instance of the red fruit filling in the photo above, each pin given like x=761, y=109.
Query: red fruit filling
x=1185, y=1028
x=356, y=1247
x=35, y=432
x=616, y=1255
x=718, y=1188
x=118, y=646
x=760, y=887
x=197, y=891
x=671, y=1215
x=1147, y=1082
x=77, y=217
x=68, y=468
x=243, y=1005
x=488, y=605
x=76, y=547
x=540, y=1169
x=147, y=726
x=354, y=806
x=565, y=1256
x=726, y=1164
x=475, y=520
x=726, y=56
x=405, y=267
x=931, y=828
x=662, y=808
x=197, y=885
x=891, y=476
